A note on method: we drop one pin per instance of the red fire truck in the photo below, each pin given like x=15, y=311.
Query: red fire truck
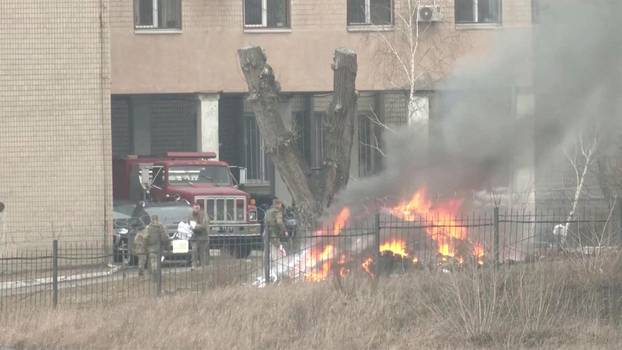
x=196, y=177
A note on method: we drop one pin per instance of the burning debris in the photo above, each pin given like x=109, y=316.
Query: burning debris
x=440, y=225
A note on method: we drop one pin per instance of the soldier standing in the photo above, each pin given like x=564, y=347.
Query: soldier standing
x=138, y=249
x=274, y=226
x=156, y=240
x=200, y=237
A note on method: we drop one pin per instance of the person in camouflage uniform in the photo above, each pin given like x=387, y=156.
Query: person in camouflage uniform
x=138, y=249
x=156, y=240
x=274, y=225
x=200, y=237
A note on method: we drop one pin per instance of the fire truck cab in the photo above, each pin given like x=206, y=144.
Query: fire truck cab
x=196, y=177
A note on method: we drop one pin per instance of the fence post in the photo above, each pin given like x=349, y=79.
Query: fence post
x=619, y=204
x=159, y=272
x=266, y=256
x=495, y=238
x=55, y=273
x=377, y=244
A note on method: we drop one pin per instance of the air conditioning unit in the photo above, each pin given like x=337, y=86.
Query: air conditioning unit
x=429, y=13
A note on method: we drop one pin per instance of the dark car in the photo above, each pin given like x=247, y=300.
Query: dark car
x=170, y=214
x=121, y=220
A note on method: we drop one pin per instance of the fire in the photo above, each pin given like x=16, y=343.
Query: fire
x=445, y=230
x=366, y=265
x=395, y=246
x=320, y=274
x=478, y=250
x=478, y=253
x=340, y=220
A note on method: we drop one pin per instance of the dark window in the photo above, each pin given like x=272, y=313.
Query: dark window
x=303, y=134
x=266, y=13
x=478, y=11
x=253, y=12
x=317, y=140
x=259, y=167
x=370, y=12
x=369, y=145
x=157, y=14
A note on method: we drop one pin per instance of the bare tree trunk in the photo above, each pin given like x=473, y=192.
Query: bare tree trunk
x=312, y=192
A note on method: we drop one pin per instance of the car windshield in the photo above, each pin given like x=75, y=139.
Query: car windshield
x=214, y=174
x=170, y=215
x=121, y=214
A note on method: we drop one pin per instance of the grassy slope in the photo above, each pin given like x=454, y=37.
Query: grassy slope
x=573, y=304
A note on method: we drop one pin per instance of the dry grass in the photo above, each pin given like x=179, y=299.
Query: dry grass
x=557, y=305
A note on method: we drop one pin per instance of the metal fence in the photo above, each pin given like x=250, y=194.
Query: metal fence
x=69, y=273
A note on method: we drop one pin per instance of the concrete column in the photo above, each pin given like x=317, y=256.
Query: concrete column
x=141, y=124
x=207, y=123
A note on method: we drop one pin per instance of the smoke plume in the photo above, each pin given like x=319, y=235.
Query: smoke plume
x=515, y=106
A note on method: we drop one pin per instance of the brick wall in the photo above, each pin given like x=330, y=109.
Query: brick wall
x=55, y=121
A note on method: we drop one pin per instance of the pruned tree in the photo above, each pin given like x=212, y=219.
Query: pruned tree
x=313, y=191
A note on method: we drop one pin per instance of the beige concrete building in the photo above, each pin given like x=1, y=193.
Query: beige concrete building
x=177, y=85
x=82, y=82
x=54, y=121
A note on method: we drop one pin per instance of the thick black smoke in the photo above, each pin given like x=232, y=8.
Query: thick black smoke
x=569, y=63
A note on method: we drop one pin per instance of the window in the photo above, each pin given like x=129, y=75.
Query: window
x=316, y=136
x=188, y=175
x=478, y=11
x=310, y=137
x=266, y=13
x=258, y=165
x=370, y=12
x=158, y=176
x=302, y=124
x=157, y=14
x=369, y=145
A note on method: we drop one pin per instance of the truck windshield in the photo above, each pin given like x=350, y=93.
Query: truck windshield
x=182, y=175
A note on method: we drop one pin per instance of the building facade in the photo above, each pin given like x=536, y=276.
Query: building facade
x=54, y=122
x=177, y=85
x=83, y=82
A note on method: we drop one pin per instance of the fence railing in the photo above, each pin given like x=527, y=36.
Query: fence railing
x=75, y=273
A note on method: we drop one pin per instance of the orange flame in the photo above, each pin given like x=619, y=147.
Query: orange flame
x=478, y=253
x=343, y=272
x=366, y=265
x=478, y=250
x=444, y=229
x=325, y=255
x=317, y=256
x=395, y=246
x=320, y=274
x=340, y=220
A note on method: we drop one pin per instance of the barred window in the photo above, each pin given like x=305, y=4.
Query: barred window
x=266, y=13
x=370, y=12
x=157, y=14
x=478, y=11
